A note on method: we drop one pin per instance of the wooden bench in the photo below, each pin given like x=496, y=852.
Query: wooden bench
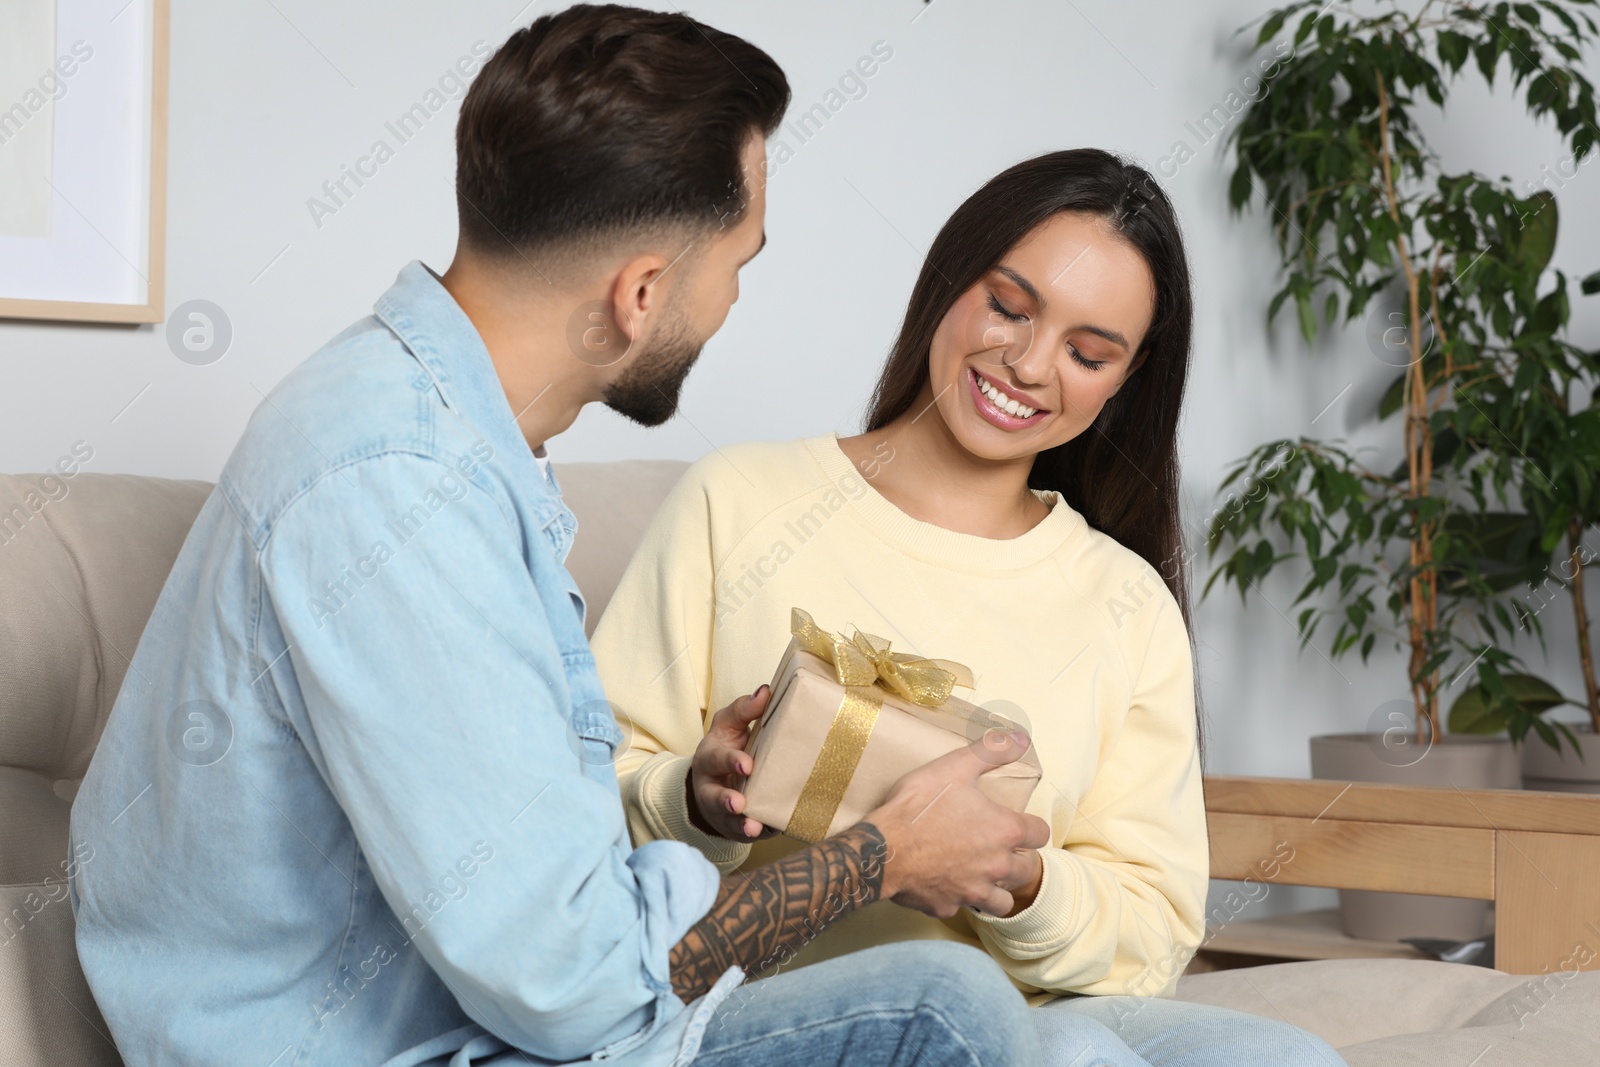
x=1536, y=855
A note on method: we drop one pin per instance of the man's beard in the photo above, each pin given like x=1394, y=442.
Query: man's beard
x=647, y=391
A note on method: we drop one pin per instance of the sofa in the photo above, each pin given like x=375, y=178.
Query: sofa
x=82, y=560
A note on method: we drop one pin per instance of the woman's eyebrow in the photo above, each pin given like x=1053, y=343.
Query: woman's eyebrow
x=1110, y=335
x=1033, y=293
x=1025, y=285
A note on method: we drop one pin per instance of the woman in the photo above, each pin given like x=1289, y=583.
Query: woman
x=1012, y=505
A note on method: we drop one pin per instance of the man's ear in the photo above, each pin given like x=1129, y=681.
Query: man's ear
x=633, y=296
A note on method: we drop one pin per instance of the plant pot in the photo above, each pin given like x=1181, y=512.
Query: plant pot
x=1462, y=761
x=1544, y=768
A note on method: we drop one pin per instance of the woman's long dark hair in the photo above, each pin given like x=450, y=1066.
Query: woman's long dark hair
x=1121, y=474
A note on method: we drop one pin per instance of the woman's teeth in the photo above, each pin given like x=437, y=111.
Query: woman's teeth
x=1000, y=400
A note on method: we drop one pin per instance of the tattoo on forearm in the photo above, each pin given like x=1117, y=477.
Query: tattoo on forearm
x=762, y=916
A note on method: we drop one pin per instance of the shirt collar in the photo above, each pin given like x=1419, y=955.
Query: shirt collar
x=430, y=323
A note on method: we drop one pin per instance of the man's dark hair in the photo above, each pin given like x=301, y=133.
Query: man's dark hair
x=604, y=118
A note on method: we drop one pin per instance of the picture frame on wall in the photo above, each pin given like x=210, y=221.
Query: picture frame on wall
x=83, y=160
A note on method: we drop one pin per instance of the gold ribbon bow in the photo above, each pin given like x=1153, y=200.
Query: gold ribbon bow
x=865, y=666
x=865, y=659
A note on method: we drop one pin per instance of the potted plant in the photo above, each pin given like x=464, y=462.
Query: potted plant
x=1448, y=268
x=1559, y=453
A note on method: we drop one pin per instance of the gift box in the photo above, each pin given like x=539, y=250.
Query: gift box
x=848, y=718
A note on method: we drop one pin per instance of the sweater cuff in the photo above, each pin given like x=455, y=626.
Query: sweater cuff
x=664, y=801
x=1052, y=918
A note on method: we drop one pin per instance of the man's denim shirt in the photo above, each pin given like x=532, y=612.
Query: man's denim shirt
x=355, y=803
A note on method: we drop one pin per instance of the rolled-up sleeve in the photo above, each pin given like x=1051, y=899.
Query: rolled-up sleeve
x=437, y=702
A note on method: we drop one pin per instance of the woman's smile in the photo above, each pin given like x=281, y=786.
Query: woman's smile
x=1001, y=405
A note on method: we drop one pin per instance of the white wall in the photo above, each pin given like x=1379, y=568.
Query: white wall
x=270, y=100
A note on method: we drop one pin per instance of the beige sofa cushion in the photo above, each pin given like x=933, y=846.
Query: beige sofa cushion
x=82, y=561
x=613, y=502
x=1420, y=1013
x=47, y=1016
x=33, y=827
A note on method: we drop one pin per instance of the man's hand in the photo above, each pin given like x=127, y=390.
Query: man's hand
x=949, y=845
x=715, y=807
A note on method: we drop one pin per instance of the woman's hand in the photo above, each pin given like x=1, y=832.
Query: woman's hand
x=1022, y=896
x=715, y=807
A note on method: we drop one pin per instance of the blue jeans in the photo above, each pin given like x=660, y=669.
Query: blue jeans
x=1151, y=1032
x=928, y=1003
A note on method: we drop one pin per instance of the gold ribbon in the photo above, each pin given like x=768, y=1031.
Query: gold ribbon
x=836, y=764
x=865, y=660
x=866, y=667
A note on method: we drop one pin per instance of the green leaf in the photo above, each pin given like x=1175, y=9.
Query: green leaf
x=1282, y=295
x=1240, y=187
x=1393, y=397
x=1550, y=314
x=1537, y=242
x=1308, y=317
x=1473, y=713
x=1571, y=737
x=1591, y=284
x=1453, y=49
x=1487, y=56
x=1270, y=28
x=1547, y=735
x=1304, y=29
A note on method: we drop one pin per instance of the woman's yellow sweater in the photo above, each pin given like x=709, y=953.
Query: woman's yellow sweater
x=1067, y=632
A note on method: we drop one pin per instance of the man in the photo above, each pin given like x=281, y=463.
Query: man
x=355, y=802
